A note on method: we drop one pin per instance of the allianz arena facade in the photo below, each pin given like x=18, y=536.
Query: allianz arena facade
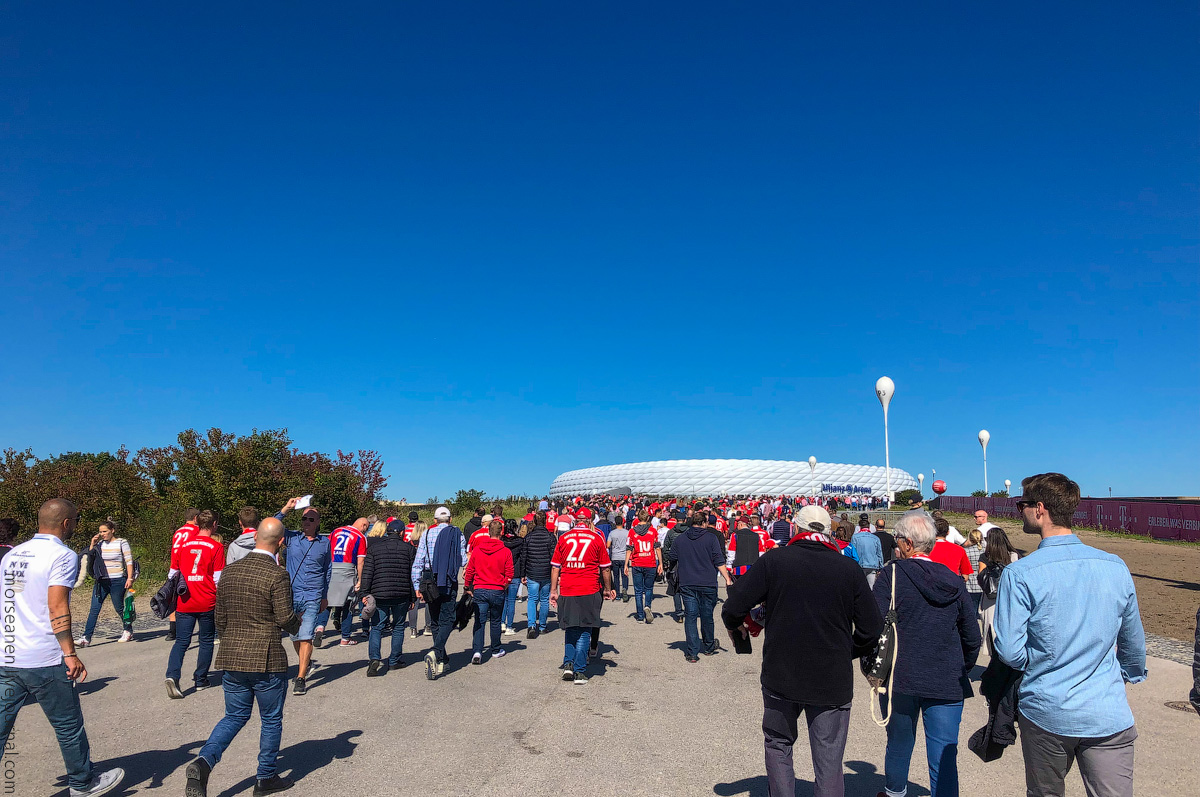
x=731, y=477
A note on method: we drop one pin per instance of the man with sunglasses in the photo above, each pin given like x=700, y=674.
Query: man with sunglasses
x=308, y=565
x=1067, y=616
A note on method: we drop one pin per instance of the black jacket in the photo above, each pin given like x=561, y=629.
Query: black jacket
x=820, y=617
x=999, y=684
x=539, y=549
x=387, y=570
x=697, y=555
x=516, y=545
x=936, y=626
x=473, y=525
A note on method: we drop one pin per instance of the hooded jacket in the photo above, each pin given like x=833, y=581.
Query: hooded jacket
x=515, y=544
x=242, y=545
x=936, y=628
x=699, y=553
x=490, y=566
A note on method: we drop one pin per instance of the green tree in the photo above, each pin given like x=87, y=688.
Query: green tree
x=979, y=494
x=466, y=501
x=907, y=496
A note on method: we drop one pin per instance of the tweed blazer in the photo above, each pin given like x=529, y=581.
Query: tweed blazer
x=254, y=601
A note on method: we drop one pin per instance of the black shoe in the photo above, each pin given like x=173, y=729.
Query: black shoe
x=568, y=672
x=712, y=652
x=375, y=668
x=400, y=665
x=625, y=598
x=271, y=785
x=580, y=679
x=691, y=659
x=200, y=686
x=298, y=688
x=197, y=778
x=678, y=619
x=318, y=635
x=531, y=633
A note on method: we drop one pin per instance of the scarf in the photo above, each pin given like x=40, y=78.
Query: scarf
x=815, y=536
x=447, y=555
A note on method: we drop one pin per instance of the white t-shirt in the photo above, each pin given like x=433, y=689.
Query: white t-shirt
x=986, y=527
x=28, y=571
x=955, y=537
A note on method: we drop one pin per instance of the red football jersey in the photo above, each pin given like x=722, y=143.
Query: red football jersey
x=182, y=534
x=197, y=560
x=642, y=546
x=579, y=555
x=476, y=538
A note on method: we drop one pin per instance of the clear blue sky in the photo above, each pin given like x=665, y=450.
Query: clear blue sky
x=500, y=241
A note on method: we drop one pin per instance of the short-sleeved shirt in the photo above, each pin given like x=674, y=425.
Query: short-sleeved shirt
x=477, y=538
x=182, y=534
x=346, y=545
x=408, y=531
x=579, y=555
x=642, y=546
x=28, y=571
x=618, y=541
x=198, y=560
x=952, y=556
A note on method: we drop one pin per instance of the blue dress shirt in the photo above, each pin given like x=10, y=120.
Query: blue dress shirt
x=1067, y=615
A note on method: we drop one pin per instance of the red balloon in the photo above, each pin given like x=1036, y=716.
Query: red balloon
x=939, y=487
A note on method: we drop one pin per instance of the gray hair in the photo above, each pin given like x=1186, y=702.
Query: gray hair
x=917, y=527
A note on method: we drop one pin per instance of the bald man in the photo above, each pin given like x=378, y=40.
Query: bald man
x=254, y=601
x=38, y=576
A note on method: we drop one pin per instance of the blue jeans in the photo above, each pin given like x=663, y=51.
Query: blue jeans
x=643, y=588
x=242, y=689
x=699, y=603
x=510, y=602
x=489, y=605
x=537, y=608
x=942, y=718
x=310, y=615
x=60, y=703
x=442, y=613
x=185, y=623
x=620, y=579
x=389, y=619
x=578, y=640
x=102, y=590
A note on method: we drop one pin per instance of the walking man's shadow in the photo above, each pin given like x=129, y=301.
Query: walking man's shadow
x=304, y=758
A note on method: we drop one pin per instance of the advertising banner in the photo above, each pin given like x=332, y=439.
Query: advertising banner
x=1162, y=521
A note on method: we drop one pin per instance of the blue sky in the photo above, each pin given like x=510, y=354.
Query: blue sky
x=496, y=243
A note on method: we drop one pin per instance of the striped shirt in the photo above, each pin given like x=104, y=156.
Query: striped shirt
x=118, y=559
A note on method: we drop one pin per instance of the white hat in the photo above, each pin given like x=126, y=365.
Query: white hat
x=441, y=513
x=813, y=518
x=486, y=519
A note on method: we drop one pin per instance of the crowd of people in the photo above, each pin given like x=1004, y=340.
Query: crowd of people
x=916, y=603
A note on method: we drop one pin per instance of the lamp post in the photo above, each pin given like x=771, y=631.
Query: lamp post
x=885, y=388
x=983, y=441
x=812, y=482
x=921, y=481
x=1008, y=487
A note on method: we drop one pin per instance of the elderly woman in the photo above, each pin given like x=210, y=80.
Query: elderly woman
x=938, y=643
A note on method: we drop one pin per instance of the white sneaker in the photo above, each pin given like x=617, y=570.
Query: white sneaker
x=101, y=784
x=126, y=636
x=508, y=632
x=82, y=642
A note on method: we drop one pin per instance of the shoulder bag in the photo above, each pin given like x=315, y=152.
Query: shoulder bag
x=880, y=666
x=427, y=582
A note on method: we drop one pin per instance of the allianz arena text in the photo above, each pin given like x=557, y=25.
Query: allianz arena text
x=731, y=477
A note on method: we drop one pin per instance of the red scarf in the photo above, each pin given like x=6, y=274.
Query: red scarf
x=814, y=536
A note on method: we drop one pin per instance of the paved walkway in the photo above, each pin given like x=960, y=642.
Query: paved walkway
x=647, y=724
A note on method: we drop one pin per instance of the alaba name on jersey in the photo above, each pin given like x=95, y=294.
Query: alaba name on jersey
x=579, y=555
x=346, y=545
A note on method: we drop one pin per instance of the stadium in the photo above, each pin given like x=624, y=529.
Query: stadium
x=731, y=477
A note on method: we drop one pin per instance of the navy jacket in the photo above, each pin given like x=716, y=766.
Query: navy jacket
x=936, y=626
x=698, y=553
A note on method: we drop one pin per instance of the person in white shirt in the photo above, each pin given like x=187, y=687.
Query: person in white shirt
x=954, y=536
x=38, y=576
x=982, y=523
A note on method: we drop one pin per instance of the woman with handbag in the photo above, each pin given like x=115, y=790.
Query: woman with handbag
x=937, y=641
x=997, y=555
x=110, y=564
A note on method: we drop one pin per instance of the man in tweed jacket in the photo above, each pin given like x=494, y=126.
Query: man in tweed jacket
x=254, y=601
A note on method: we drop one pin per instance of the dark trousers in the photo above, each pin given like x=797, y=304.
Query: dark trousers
x=828, y=727
x=442, y=613
x=185, y=624
x=699, y=603
x=106, y=589
x=59, y=700
x=489, y=605
x=1105, y=763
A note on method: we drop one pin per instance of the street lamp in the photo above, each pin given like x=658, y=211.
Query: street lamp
x=885, y=388
x=1008, y=487
x=812, y=482
x=983, y=441
x=921, y=481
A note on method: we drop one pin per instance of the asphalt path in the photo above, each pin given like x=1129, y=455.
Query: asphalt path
x=648, y=723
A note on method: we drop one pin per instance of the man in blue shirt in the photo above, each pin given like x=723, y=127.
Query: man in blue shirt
x=1067, y=615
x=869, y=550
x=308, y=566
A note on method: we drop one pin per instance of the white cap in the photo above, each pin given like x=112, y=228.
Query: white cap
x=441, y=513
x=812, y=515
x=486, y=519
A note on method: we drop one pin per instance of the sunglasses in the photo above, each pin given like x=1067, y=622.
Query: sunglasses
x=308, y=520
x=1023, y=505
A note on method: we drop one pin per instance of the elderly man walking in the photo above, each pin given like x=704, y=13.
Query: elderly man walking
x=440, y=555
x=822, y=617
x=254, y=601
x=308, y=566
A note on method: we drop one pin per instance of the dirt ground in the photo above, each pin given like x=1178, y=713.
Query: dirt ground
x=1167, y=576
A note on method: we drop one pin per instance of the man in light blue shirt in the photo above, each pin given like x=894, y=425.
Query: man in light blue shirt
x=869, y=549
x=1067, y=615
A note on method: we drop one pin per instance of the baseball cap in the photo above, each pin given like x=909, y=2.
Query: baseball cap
x=395, y=527
x=486, y=519
x=441, y=513
x=813, y=518
x=584, y=512
x=413, y=516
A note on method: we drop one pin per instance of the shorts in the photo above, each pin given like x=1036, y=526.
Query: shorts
x=308, y=611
